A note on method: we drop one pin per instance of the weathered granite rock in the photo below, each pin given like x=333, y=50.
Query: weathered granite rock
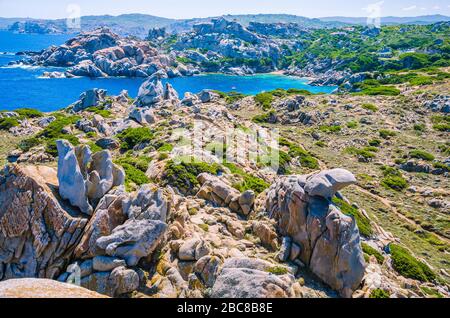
x=72, y=174
x=89, y=98
x=133, y=240
x=108, y=215
x=327, y=183
x=107, y=263
x=43, y=288
x=193, y=250
x=84, y=179
x=143, y=116
x=251, y=278
x=148, y=203
x=328, y=239
x=108, y=143
x=151, y=92
x=215, y=190
x=38, y=230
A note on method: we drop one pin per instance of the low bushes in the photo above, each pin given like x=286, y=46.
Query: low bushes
x=379, y=293
x=408, y=266
x=183, y=175
x=29, y=113
x=393, y=179
x=364, y=226
x=370, y=107
x=8, y=123
x=369, y=250
x=387, y=134
x=249, y=182
x=420, y=154
x=304, y=157
x=131, y=137
x=330, y=129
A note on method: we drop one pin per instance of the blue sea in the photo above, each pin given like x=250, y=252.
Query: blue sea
x=24, y=86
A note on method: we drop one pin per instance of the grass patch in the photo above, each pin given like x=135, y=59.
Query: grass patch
x=264, y=100
x=379, y=293
x=183, y=175
x=8, y=123
x=278, y=270
x=387, y=134
x=330, y=129
x=369, y=250
x=441, y=123
x=364, y=226
x=304, y=157
x=263, y=118
x=131, y=137
x=29, y=113
x=408, y=266
x=393, y=179
x=249, y=182
x=420, y=154
x=370, y=107
x=352, y=124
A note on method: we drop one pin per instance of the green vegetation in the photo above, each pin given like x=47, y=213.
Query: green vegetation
x=352, y=124
x=367, y=152
x=379, y=293
x=99, y=110
x=370, y=107
x=230, y=97
x=408, y=266
x=364, y=226
x=387, y=134
x=330, y=129
x=369, y=250
x=431, y=292
x=441, y=123
x=8, y=122
x=28, y=113
x=249, y=182
x=135, y=169
x=131, y=137
x=264, y=100
x=183, y=175
x=278, y=270
x=263, y=118
x=165, y=147
x=52, y=133
x=420, y=154
x=375, y=143
x=304, y=157
x=393, y=179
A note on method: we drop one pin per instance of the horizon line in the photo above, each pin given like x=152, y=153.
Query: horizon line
x=227, y=14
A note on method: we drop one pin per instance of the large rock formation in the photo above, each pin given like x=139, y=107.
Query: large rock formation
x=38, y=230
x=253, y=278
x=43, y=288
x=85, y=178
x=329, y=240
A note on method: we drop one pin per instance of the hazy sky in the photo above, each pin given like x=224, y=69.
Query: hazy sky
x=206, y=8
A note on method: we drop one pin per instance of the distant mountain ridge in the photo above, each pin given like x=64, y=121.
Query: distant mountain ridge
x=139, y=24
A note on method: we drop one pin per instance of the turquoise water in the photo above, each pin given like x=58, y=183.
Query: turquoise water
x=24, y=87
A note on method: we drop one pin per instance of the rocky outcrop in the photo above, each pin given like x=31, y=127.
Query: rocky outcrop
x=440, y=103
x=38, y=230
x=43, y=288
x=89, y=98
x=215, y=190
x=329, y=240
x=85, y=178
x=152, y=92
x=133, y=240
x=254, y=278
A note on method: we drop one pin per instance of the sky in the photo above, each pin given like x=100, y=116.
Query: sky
x=183, y=9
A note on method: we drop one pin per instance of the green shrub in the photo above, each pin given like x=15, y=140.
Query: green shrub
x=420, y=154
x=183, y=175
x=131, y=137
x=441, y=123
x=386, y=134
x=278, y=270
x=264, y=100
x=381, y=90
x=304, y=157
x=408, y=266
x=421, y=80
x=431, y=292
x=364, y=226
x=249, y=182
x=98, y=110
x=264, y=118
x=230, y=97
x=330, y=129
x=26, y=144
x=375, y=143
x=369, y=250
x=7, y=123
x=29, y=113
x=395, y=183
x=352, y=124
x=419, y=127
x=379, y=293
x=50, y=145
x=366, y=153
x=370, y=107
x=165, y=148
x=134, y=175
x=440, y=165
x=140, y=163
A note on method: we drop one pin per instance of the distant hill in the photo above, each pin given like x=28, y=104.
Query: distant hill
x=427, y=19
x=139, y=24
